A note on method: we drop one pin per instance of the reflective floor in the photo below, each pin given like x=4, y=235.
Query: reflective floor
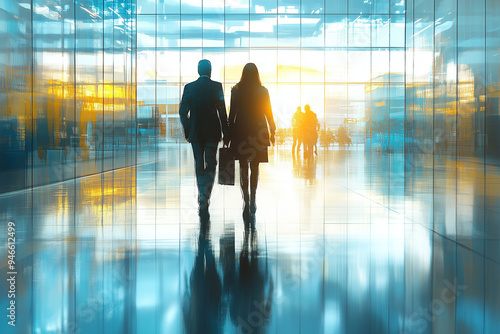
x=330, y=251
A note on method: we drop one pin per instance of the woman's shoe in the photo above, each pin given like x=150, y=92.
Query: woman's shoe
x=253, y=205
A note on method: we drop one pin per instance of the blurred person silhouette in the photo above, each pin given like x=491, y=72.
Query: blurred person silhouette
x=310, y=128
x=251, y=131
x=202, y=306
x=297, y=132
x=203, y=116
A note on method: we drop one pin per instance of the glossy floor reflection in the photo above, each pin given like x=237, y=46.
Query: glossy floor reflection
x=330, y=251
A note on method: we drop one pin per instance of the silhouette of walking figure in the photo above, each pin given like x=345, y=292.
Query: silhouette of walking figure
x=297, y=130
x=311, y=128
x=249, y=116
x=203, y=116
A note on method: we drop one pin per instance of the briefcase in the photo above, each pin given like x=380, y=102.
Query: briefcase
x=226, y=167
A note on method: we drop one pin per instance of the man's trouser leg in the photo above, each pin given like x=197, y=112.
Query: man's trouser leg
x=199, y=167
x=210, y=152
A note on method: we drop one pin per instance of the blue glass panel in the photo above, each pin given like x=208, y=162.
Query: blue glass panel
x=263, y=30
x=335, y=31
x=237, y=31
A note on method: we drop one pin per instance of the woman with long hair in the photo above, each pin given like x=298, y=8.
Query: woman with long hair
x=249, y=116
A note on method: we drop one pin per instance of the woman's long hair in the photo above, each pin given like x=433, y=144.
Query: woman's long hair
x=249, y=77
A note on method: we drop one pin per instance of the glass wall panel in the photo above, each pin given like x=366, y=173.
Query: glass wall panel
x=312, y=7
x=235, y=60
x=267, y=6
x=286, y=101
x=470, y=121
x=358, y=69
x=168, y=7
x=289, y=65
x=16, y=114
x=492, y=120
x=237, y=31
x=380, y=65
x=67, y=101
x=335, y=31
x=189, y=64
x=146, y=6
x=397, y=31
x=397, y=6
x=191, y=7
x=168, y=31
x=379, y=115
x=445, y=115
x=335, y=106
x=380, y=31
x=237, y=6
x=191, y=31
x=359, y=7
x=267, y=63
x=312, y=67
x=289, y=6
x=263, y=32
x=312, y=31
x=213, y=7
x=336, y=6
x=216, y=56
x=380, y=6
x=451, y=87
x=396, y=131
x=213, y=30
x=336, y=65
x=397, y=65
x=288, y=30
x=358, y=31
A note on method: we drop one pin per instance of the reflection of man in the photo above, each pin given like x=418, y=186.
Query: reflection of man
x=297, y=129
x=203, y=116
x=203, y=308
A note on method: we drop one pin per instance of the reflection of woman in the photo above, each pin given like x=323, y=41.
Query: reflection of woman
x=251, y=307
x=249, y=116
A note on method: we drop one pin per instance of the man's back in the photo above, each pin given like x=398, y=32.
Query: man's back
x=203, y=99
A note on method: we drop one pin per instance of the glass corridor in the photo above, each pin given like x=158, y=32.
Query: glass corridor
x=91, y=153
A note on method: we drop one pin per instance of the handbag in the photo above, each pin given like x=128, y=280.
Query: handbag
x=226, y=167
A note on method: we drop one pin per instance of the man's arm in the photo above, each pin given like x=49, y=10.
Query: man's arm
x=221, y=109
x=183, y=111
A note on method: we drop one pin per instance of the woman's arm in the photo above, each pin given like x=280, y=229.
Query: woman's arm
x=268, y=112
x=232, y=113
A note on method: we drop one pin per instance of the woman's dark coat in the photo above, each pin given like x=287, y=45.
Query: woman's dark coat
x=249, y=116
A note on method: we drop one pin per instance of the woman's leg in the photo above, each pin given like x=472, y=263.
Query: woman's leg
x=254, y=179
x=244, y=185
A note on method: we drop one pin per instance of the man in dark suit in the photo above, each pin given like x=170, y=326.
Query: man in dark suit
x=203, y=117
